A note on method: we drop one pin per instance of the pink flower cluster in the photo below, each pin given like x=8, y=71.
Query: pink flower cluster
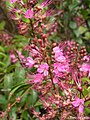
x=61, y=65
x=58, y=74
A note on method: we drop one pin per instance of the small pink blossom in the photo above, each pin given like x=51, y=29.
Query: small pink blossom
x=13, y=58
x=59, y=55
x=29, y=62
x=55, y=80
x=38, y=78
x=43, y=68
x=59, y=67
x=60, y=58
x=21, y=57
x=85, y=68
x=34, y=52
x=29, y=14
x=12, y=1
x=57, y=50
x=79, y=103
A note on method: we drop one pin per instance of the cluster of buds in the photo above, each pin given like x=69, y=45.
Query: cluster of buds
x=29, y=16
x=5, y=38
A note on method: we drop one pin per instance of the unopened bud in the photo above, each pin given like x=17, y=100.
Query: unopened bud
x=54, y=44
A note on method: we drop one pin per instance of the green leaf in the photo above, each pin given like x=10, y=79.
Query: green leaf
x=3, y=100
x=2, y=64
x=73, y=6
x=88, y=21
x=85, y=92
x=73, y=25
x=18, y=88
x=84, y=13
x=10, y=68
x=2, y=49
x=33, y=69
x=79, y=41
x=9, y=5
x=25, y=115
x=12, y=113
x=76, y=33
x=2, y=25
x=19, y=75
x=8, y=81
x=85, y=79
x=82, y=30
x=31, y=100
x=2, y=54
x=87, y=36
x=87, y=110
x=25, y=20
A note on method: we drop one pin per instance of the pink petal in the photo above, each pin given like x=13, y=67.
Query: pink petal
x=29, y=14
x=81, y=108
x=39, y=70
x=45, y=73
x=12, y=1
x=38, y=78
x=55, y=80
x=75, y=103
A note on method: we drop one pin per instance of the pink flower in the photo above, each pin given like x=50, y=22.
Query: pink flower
x=29, y=62
x=85, y=68
x=59, y=67
x=79, y=103
x=29, y=14
x=59, y=55
x=43, y=68
x=38, y=78
x=55, y=80
x=13, y=58
x=12, y=1
x=57, y=50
